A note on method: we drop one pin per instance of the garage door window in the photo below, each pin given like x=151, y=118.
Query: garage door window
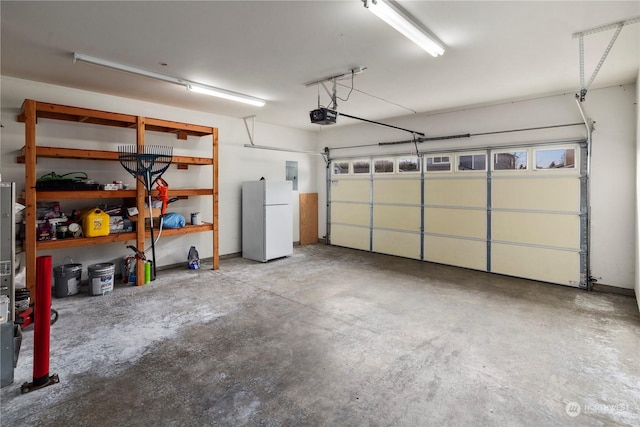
x=383, y=166
x=409, y=164
x=472, y=162
x=361, y=167
x=510, y=160
x=440, y=163
x=340, y=168
x=559, y=158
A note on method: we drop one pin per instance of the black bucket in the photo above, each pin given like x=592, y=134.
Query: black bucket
x=67, y=279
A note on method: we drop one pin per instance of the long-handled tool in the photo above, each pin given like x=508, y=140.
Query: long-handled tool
x=147, y=163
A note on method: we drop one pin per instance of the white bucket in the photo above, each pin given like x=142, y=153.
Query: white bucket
x=101, y=278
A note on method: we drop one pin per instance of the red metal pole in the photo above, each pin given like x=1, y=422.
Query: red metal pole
x=41, y=327
x=42, y=320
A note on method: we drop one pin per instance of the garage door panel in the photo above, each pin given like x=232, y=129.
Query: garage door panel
x=351, y=190
x=350, y=213
x=548, y=265
x=458, y=252
x=536, y=228
x=400, y=217
x=456, y=222
x=556, y=194
x=456, y=192
x=350, y=237
x=396, y=191
x=396, y=243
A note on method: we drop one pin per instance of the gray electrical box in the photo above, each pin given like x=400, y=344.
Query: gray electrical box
x=292, y=174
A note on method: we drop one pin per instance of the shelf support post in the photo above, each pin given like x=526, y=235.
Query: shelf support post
x=140, y=193
x=29, y=111
x=216, y=258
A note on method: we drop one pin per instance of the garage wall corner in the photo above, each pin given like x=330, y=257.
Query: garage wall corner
x=637, y=233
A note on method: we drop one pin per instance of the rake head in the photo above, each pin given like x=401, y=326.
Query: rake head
x=149, y=162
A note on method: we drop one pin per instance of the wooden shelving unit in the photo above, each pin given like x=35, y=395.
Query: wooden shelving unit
x=32, y=111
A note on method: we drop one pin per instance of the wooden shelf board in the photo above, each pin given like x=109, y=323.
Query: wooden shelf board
x=47, y=110
x=81, y=115
x=178, y=192
x=77, y=153
x=117, y=194
x=84, y=241
x=185, y=230
x=86, y=194
x=168, y=126
x=120, y=237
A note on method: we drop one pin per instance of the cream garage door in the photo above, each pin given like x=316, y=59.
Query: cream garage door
x=518, y=211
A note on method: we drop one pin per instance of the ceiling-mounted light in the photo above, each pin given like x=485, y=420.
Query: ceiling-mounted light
x=222, y=93
x=393, y=15
x=192, y=86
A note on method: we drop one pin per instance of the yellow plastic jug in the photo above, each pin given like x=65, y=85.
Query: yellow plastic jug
x=95, y=223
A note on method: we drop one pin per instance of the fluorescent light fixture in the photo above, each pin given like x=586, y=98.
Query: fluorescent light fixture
x=126, y=68
x=395, y=17
x=222, y=93
x=287, y=150
x=191, y=86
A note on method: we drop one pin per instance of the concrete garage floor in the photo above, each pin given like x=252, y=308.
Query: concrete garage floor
x=333, y=336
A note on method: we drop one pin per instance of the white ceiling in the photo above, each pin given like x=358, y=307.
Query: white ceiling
x=495, y=51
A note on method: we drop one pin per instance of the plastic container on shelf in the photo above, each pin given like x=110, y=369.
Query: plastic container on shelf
x=95, y=223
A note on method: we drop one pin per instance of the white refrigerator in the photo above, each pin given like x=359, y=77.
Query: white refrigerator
x=267, y=220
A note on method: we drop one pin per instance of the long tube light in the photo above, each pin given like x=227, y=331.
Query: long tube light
x=221, y=93
x=394, y=16
x=191, y=86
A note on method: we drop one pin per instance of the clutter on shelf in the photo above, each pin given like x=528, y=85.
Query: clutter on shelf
x=68, y=181
x=94, y=221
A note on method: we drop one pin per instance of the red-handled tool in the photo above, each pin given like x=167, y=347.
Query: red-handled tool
x=163, y=193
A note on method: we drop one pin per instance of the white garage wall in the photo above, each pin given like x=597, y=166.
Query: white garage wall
x=237, y=163
x=613, y=185
x=613, y=166
x=637, y=233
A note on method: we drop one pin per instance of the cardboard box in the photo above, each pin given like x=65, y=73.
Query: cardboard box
x=155, y=211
